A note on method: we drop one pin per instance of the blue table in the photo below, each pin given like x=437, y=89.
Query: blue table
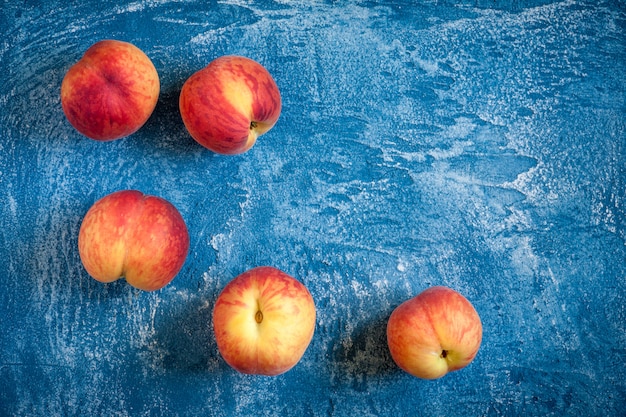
x=478, y=146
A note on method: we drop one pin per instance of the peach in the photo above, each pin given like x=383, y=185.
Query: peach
x=128, y=234
x=228, y=104
x=264, y=321
x=436, y=332
x=111, y=91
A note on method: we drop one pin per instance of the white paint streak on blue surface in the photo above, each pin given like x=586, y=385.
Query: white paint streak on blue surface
x=476, y=147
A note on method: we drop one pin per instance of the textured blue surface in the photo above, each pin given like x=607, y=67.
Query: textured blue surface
x=478, y=146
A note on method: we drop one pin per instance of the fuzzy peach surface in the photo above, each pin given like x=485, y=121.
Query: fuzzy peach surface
x=127, y=234
x=111, y=91
x=263, y=320
x=228, y=104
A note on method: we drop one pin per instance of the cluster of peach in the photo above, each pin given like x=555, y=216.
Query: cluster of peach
x=263, y=319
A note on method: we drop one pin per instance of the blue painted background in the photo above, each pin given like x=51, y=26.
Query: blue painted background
x=479, y=146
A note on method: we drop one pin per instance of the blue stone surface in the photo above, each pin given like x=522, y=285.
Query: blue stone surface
x=479, y=145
